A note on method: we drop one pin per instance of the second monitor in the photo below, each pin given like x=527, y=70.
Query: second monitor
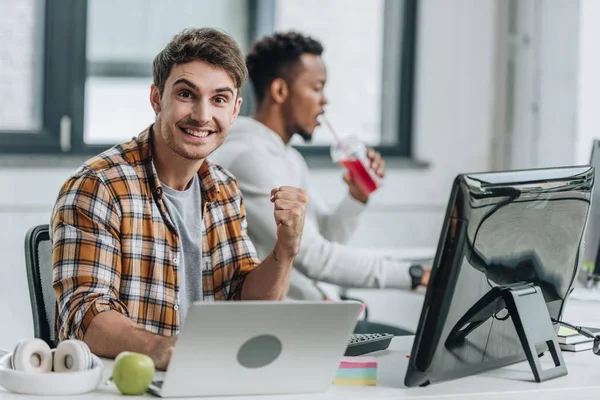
x=505, y=263
x=589, y=273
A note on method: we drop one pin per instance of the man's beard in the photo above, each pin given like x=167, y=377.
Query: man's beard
x=293, y=129
x=298, y=130
x=307, y=137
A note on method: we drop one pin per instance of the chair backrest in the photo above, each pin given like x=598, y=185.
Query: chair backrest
x=38, y=258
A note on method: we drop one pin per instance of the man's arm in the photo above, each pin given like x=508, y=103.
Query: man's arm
x=111, y=333
x=342, y=265
x=86, y=273
x=340, y=224
x=318, y=258
x=270, y=280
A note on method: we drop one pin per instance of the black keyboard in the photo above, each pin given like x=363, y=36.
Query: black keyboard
x=364, y=343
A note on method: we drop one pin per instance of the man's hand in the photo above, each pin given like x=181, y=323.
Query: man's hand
x=290, y=213
x=162, y=352
x=271, y=279
x=426, y=276
x=377, y=165
x=111, y=333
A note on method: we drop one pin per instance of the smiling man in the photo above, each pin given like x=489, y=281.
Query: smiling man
x=144, y=229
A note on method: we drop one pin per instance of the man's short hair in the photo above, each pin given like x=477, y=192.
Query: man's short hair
x=205, y=44
x=278, y=56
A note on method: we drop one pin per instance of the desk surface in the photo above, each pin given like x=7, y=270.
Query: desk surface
x=516, y=381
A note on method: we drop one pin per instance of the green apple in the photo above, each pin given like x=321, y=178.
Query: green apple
x=133, y=372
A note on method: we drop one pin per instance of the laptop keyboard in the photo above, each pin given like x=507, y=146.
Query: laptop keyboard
x=363, y=343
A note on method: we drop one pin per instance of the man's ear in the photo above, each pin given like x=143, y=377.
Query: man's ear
x=155, y=98
x=279, y=90
x=236, y=108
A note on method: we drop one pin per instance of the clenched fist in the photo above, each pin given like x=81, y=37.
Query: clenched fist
x=290, y=213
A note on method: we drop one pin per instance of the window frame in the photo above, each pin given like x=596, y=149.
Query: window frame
x=57, y=90
x=65, y=73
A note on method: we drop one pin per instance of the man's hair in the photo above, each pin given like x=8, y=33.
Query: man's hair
x=278, y=56
x=205, y=44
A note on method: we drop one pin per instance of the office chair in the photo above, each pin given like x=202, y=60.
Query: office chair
x=38, y=259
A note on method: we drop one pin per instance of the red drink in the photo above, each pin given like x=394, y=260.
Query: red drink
x=351, y=153
x=360, y=175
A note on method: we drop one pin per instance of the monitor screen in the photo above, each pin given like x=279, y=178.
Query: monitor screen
x=501, y=228
x=590, y=264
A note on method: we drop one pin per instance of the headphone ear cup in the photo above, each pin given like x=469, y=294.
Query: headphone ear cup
x=31, y=356
x=71, y=356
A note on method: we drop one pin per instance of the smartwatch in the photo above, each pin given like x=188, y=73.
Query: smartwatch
x=416, y=274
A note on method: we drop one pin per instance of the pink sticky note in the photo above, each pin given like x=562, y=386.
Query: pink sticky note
x=359, y=362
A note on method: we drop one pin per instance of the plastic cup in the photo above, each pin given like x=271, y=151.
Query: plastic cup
x=351, y=153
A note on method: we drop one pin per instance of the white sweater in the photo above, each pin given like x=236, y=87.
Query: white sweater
x=260, y=161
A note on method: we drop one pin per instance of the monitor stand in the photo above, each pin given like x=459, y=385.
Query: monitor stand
x=527, y=308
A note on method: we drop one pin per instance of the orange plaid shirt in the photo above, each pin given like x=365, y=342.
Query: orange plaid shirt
x=115, y=246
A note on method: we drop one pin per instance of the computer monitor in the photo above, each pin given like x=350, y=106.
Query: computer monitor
x=589, y=272
x=501, y=229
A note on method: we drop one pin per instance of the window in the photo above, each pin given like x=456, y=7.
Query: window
x=354, y=84
x=363, y=52
x=122, y=40
x=92, y=89
x=34, y=92
x=21, y=54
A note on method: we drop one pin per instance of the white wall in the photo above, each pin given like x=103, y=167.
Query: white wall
x=557, y=83
x=544, y=103
x=27, y=198
x=588, y=116
x=455, y=97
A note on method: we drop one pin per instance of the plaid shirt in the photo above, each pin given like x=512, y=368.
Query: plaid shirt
x=116, y=248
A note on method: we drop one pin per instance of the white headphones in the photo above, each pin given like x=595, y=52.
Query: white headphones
x=33, y=368
x=34, y=355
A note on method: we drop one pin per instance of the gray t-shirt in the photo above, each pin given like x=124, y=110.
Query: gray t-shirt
x=185, y=209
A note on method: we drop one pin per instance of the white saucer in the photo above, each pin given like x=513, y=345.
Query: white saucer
x=51, y=383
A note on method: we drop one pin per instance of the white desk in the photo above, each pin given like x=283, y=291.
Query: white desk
x=515, y=381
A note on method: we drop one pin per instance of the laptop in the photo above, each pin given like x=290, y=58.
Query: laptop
x=258, y=347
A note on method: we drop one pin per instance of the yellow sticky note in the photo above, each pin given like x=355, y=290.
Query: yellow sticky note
x=564, y=331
